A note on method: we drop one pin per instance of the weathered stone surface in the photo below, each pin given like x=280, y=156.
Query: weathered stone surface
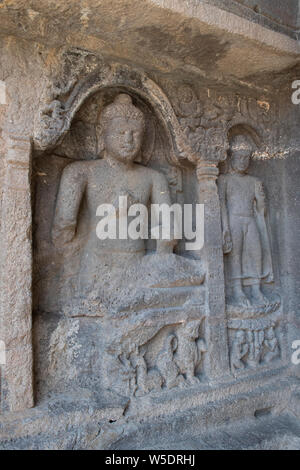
x=117, y=344
x=16, y=309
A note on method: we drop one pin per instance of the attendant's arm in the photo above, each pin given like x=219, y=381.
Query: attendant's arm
x=161, y=195
x=260, y=198
x=71, y=190
x=227, y=242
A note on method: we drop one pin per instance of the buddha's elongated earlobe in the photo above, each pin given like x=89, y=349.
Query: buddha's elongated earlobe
x=100, y=140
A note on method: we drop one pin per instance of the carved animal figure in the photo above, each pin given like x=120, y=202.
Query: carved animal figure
x=167, y=365
x=189, y=352
x=147, y=380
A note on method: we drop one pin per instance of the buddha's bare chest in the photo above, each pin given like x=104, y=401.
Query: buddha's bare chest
x=107, y=187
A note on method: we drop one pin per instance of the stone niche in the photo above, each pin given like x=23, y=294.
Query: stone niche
x=151, y=324
x=109, y=325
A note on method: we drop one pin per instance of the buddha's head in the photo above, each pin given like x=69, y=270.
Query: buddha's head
x=123, y=127
x=240, y=153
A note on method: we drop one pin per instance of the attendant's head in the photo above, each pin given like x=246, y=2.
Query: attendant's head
x=240, y=153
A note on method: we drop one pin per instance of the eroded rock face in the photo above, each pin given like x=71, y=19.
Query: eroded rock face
x=129, y=330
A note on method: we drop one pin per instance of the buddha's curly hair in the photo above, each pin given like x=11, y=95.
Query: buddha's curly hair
x=122, y=106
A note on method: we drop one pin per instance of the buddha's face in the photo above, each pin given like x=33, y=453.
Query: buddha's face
x=240, y=154
x=123, y=138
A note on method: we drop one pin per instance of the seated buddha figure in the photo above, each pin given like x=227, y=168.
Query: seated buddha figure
x=116, y=272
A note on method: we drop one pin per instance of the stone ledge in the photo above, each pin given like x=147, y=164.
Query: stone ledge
x=232, y=23
x=78, y=423
x=262, y=401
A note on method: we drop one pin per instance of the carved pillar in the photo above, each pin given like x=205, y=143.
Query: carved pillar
x=16, y=311
x=207, y=174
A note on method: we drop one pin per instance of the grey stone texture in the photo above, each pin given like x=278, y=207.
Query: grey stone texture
x=143, y=344
x=273, y=14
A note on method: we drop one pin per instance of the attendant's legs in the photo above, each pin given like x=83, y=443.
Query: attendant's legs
x=235, y=261
x=253, y=261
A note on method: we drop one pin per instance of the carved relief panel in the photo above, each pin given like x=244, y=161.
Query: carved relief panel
x=253, y=304
x=173, y=357
x=146, y=304
x=116, y=148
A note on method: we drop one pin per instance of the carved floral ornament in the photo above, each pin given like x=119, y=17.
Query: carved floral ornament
x=203, y=143
x=62, y=103
x=56, y=115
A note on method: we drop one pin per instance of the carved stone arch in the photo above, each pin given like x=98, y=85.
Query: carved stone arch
x=55, y=117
